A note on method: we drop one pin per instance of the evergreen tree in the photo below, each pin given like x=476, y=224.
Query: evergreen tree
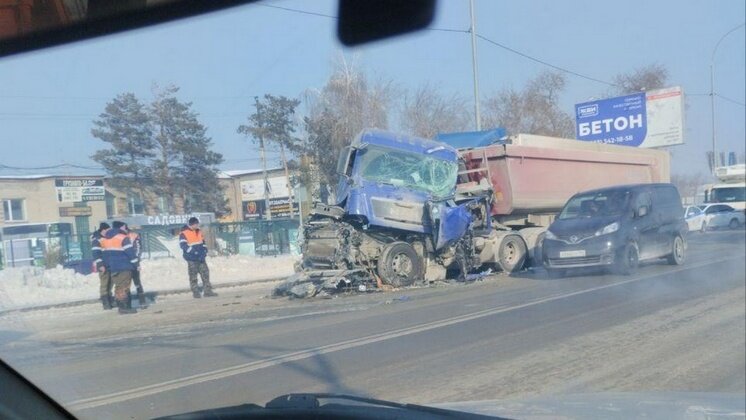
x=185, y=168
x=126, y=127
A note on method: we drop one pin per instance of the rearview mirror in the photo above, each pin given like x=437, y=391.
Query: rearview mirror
x=362, y=21
x=642, y=211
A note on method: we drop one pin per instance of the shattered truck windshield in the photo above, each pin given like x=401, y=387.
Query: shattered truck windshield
x=400, y=168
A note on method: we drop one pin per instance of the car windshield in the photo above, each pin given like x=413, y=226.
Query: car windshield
x=601, y=204
x=234, y=206
x=405, y=169
x=728, y=194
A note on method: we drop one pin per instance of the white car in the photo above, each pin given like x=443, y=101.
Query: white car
x=722, y=215
x=695, y=218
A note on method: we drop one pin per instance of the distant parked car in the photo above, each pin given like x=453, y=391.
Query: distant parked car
x=722, y=215
x=695, y=218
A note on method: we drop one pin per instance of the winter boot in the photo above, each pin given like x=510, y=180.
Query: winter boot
x=129, y=299
x=209, y=292
x=112, y=302
x=123, y=309
x=142, y=300
x=106, y=302
x=196, y=294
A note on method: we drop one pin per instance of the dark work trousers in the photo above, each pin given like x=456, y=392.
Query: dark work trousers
x=136, y=281
x=198, y=267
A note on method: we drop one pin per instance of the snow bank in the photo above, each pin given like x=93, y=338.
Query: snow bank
x=32, y=286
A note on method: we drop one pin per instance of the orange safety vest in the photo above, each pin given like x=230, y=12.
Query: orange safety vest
x=193, y=237
x=114, y=243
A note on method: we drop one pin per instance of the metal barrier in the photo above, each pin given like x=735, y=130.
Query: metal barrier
x=265, y=237
x=260, y=238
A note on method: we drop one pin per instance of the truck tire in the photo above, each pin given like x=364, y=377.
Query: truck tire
x=627, y=259
x=400, y=265
x=678, y=251
x=512, y=253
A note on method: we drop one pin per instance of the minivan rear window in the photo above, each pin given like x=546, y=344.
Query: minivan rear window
x=596, y=204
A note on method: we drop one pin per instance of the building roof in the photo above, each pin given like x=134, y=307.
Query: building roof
x=240, y=172
x=44, y=176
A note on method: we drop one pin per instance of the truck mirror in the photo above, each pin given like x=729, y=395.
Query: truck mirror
x=344, y=161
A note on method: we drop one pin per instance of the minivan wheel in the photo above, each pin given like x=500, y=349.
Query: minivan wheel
x=734, y=224
x=678, y=251
x=627, y=259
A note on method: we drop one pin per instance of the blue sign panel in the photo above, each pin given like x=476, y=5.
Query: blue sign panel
x=621, y=120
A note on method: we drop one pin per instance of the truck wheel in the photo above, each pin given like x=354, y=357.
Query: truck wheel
x=399, y=264
x=678, y=251
x=627, y=259
x=512, y=253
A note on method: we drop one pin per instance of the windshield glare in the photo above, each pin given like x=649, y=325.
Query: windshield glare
x=603, y=204
x=396, y=167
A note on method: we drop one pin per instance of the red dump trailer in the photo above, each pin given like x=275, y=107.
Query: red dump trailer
x=532, y=176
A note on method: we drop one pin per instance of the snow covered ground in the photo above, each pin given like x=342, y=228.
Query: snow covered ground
x=31, y=286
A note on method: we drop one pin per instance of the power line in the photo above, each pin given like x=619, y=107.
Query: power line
x=540, y=61
x=730, y=100
x=514, y=51
x=306, y=12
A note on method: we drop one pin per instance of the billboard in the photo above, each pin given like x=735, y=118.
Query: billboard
x=279, y=208
x=254, y=190
x=646, y=119
x=70, y=190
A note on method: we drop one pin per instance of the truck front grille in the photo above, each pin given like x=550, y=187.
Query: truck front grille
x=560, y=262
x=398, y=211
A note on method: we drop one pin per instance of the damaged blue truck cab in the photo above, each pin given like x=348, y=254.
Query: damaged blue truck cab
x=395, y=213
x=390, y=180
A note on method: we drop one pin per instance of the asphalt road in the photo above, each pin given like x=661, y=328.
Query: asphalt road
x=663, y=329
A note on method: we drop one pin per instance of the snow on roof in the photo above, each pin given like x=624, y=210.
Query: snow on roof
x=44, y=176
x=25, y=176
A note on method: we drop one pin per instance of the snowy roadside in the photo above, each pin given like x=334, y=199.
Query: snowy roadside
x=29, y=287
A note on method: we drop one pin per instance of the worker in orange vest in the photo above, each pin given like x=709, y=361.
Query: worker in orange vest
x=194, y=252
x=120, y=260
x=103, y=274
x=137, y=244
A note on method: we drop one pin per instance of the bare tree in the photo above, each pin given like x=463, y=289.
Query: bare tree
x=687, y=184
x=426, y=112
x=533, y=110
x=346, y=104
x=653, y=76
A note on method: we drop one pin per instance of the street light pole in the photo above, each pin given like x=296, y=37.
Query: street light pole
x=477, y=115
x=712, y=89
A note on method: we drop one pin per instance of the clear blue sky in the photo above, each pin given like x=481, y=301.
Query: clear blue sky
x=48, y=98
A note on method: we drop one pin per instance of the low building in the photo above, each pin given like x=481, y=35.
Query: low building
x=39, y=199
x=245, y=192
x=43, y=212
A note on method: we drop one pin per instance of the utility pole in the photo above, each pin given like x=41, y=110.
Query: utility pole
x=287, y=178
x=268, y=214
x=477, y=115
x=712, y=89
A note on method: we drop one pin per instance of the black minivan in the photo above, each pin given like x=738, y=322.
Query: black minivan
x=617, y=227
